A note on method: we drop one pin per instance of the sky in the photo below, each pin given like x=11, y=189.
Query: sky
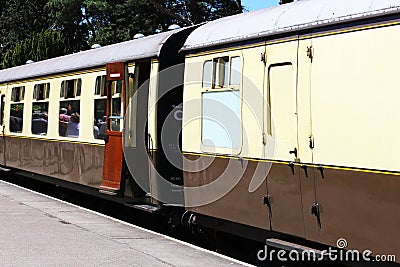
x=258, y=4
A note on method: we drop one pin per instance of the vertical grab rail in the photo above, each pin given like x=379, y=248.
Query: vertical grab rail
x=150, y=146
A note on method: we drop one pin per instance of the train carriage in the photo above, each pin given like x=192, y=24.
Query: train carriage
x=286, y=119
x=62, y=119
x=292, y=111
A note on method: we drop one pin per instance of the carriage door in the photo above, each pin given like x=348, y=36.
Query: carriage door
x=281, y=128
x=2, y=129
x=113, y=153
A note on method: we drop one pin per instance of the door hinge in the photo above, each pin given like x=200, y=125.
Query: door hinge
x=311, y=141
x=315, y=210
x=264, y=57
x=310, y=52
x=267, y=200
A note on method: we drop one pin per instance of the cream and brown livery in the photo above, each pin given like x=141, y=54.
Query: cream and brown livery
x=296, y=103
x=318, y=100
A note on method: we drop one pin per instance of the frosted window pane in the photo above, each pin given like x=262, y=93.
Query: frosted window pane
x=221, y=125
x=235, y=71
x=207, y=73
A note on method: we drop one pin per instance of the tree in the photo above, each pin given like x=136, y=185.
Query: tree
x=44, y=45
x=189, y=12
x=85, y=22
x=20, y=19
x=66, y=16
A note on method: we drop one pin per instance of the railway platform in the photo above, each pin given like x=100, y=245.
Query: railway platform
x=37, y=230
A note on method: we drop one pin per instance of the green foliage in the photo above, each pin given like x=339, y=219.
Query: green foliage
x=42, y=29
x=20, y=19
x=44, y=45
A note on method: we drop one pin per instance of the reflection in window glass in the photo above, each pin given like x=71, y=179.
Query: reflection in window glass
x=16, y=117
x=100, y=120
x=235, y=71
x=78, y=85
x=18, y=93
x=207, y=73
x=39, y=118
x=221, y=119
x=100, y=85
x=69, y=118
x=41, y=91
x=115, y=122
x=116, y=87
x=71, y=88
x=22, y=93
x=2, y=102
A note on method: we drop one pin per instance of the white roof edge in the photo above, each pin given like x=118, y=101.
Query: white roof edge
x=299, y=15
x=147, y=47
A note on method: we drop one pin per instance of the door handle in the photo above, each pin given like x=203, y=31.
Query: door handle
x=294, y=151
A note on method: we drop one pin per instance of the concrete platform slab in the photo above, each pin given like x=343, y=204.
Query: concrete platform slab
x=36, y=230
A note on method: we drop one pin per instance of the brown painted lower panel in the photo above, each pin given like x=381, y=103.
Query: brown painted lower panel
x=73, y=162
x=237, y=204
x=361, y=207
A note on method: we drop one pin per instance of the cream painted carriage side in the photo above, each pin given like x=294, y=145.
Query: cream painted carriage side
x=318, y=98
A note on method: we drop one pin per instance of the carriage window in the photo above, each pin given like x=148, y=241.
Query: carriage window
x=100, y=119
x=16, y=117
x=221, y=72
x=100, y=85
x=116, y=87
x=78, y=87
x=71, y=88
x=69, y=118
x=18, y=94
x=17, y=109
x=2, y=109
x=40, y=108
x=207, y=73
x=221, y=119
x=115, y=119
x=235, y=74
x=41, y=91
x=39, y=117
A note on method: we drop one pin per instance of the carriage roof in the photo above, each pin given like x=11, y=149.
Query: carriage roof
x=299, y=15
x=146, y=47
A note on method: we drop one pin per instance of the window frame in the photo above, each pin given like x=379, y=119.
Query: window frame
x=215, y=67
x=77, y=90
x=21, y=95
x=46, y=92
x=101, y=96
x=65, y=97
x=225, y=88
x=19, y=101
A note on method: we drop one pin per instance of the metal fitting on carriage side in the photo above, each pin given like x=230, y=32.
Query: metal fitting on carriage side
x=315, y=210
x=310, y=52
x=305, y=167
